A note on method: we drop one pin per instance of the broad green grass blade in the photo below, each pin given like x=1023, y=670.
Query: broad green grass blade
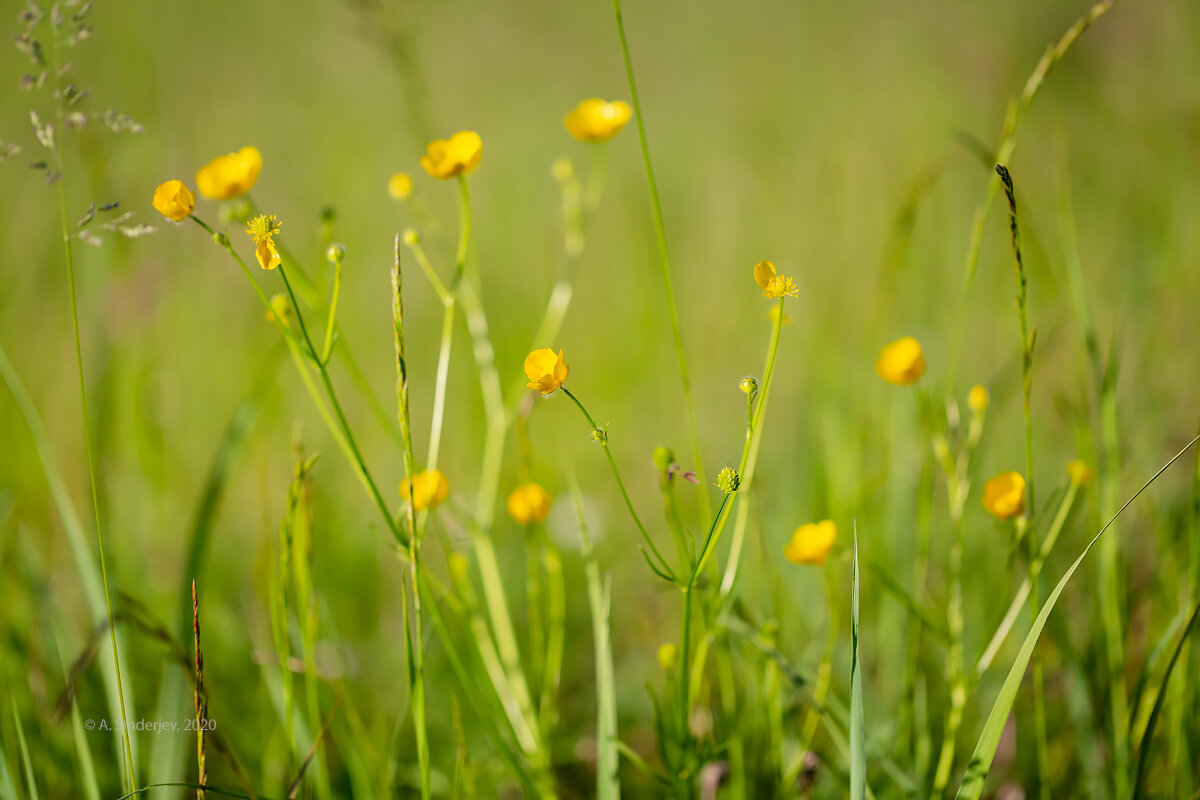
x=7, y=790
x=858, y=732
x=985, y=750
x=1148, y=737
x=81, y=549
x=26, y=763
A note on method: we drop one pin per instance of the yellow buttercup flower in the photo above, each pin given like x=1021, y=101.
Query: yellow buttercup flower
x=262, y=230
x=547, y=372
x=230, y=175
x=1004, y=495
x=429, y=489
x=529, y=503
x=596, y=120
x=449, y=158
x=978, y=399
x=811, y=543
x=902, y=362
x=773, y=284
x=400, y=186
x=1080, y=472
x=174, y=200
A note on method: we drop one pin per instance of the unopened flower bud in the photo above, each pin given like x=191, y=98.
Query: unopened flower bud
x=411, y=236
x=562, y=169
x=748, y=385
x=662, y=458
x=335, y=253
x=667, y=655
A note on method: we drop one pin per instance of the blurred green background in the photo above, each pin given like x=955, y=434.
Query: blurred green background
x=828, y=138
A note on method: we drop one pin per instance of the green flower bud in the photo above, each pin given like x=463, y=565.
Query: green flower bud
x=662, y=458
x=728, y=480
x=335, y=253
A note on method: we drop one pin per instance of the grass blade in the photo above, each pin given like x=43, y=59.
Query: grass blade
x=985, y=750
x=30, y=780
x=1148, y=737
x=87, y=769
x=858, y=733
x=608, y=785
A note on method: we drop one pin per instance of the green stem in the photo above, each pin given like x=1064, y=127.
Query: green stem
x=464, y=238
x=341, y=418
x=418, y=649
x=555, y=637
x=514, y=682
x=749, y=460
x=1039, y=702
x=685, y=647
x=665, y=266
x=333, y=304
x=449, y=303
x=602, y=437
x=439, y=391
x=308, y=292
x=1017, y=108
x=87, y=439
x=957, y=677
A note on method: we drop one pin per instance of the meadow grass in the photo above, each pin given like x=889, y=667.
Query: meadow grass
x=560, y=601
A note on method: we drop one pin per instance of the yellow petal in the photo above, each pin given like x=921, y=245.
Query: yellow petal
x=547, y=371
x=764, y=271
x=267, y=255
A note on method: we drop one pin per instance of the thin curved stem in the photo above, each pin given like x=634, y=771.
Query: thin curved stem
x=602, y=437
x=664, y=258
x=341, y=417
